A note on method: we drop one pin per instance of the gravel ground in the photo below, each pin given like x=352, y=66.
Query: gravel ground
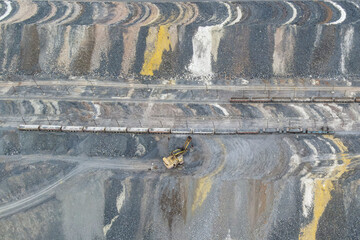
x=252, y=187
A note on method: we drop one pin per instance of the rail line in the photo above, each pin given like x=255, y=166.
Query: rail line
x=295, y=100
x=274, y=100
x=93, y=83
x=194, y=131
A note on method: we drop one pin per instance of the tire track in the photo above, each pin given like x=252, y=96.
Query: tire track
x=85, y=164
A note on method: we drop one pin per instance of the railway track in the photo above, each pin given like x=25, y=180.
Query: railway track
x=296, y=100
x=194, y=131
x=113, y=84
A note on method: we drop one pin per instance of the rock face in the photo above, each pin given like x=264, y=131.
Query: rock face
x=177, y=64
x=262, y=187
x=180, y=40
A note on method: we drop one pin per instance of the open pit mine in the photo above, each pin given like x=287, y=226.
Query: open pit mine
x=253, y=106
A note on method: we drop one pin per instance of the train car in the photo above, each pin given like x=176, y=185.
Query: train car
x=316, y=131
x=72, y=128
x=283, y=130
x=24, y=127
x=115, y=129
x=311, y=131
x=239, y=100
x=137, y=130
x=94, y=129
x=323, y=99
x=271, y=130
x=302, y=100
x=204, y=131
x=260, y=99
x=344, y=100
x=225, y=131
x=247, y=131
x=326, y=130
x=50, y=128
x=181, y=131
x=281, y=99
x=295, y=130
x=160, y=130
x=357, y=99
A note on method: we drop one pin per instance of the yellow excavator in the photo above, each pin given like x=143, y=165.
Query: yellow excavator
x=176, y=156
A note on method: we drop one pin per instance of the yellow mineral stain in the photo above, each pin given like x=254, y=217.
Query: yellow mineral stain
x=322, y=190
x=203, y=186
x=338, y=143
x=322, y=196
x=153, y=55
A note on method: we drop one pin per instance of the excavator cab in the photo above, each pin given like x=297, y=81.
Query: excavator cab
x=176, y=156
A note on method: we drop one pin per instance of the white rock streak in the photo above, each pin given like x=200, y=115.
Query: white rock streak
x=295, y=158
x=307, y=186
x=97, y=111
x=225, y=112
x=284, y=47
x=205, y=47
x=346, y=46
x=342, y=14
x=107, y=227
x=293, y=15
x=312, y=147
x=358, y=7
x=328, y=109
x=37, y=106
x=238, y=18
x=333, y=151
x=119, y=202
x=300, y=110
x=306, y=182
x=200, y=64
x=318, y=35
x=228, y=236
x=8, y=10
x=314, y=150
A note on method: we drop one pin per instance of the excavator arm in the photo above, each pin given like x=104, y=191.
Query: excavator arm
x=187, y=142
